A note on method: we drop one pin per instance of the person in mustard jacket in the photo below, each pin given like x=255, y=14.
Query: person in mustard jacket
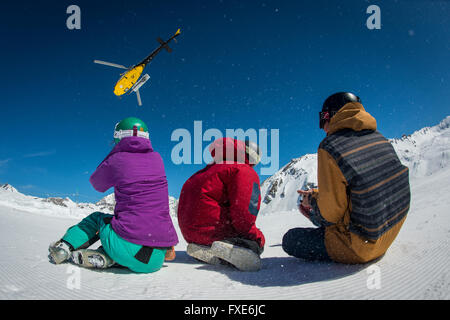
x=363, y=193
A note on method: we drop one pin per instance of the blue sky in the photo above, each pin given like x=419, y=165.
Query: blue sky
x=238, y=64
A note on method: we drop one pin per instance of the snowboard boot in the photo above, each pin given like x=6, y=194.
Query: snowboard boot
x=242, y=258
x=170, y=254
x=202, y=253
x=59, y=252
x=90, y=258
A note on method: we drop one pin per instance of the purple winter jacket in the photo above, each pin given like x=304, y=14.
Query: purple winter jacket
x=136, y=172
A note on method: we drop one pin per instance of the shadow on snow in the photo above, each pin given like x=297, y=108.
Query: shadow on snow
x=280, y=271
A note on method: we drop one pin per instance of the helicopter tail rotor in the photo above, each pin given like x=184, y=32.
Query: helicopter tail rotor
x=164, y=45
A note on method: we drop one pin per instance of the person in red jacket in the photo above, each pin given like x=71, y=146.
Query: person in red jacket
x=219, y=204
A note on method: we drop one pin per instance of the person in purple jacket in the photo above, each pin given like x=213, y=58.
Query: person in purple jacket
x=140, y=235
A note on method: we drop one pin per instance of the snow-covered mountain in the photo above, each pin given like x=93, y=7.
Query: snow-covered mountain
x=8, y=188
x=425, y=152
x=279, y=192
x=52, y=206
x=109, y=202
x=63, y=207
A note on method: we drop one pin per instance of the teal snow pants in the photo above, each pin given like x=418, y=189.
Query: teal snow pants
x=96, y=226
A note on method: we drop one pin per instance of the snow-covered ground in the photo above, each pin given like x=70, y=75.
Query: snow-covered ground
x=415, y=267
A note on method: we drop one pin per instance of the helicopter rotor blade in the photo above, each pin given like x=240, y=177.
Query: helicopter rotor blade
x=110, y=64
x=138, y=95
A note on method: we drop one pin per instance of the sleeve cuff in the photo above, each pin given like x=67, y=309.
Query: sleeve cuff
x=316, y=217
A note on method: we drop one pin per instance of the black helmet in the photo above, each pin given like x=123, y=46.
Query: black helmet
x=333, y=103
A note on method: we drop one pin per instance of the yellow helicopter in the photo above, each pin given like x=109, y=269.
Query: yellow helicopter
x=131, y=80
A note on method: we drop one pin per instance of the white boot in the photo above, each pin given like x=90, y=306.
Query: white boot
x=90, y=258
x=242, y=258
x=59, y=252
x=202, y=253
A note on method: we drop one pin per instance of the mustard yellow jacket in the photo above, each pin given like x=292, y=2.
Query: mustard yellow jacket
x=342, y=244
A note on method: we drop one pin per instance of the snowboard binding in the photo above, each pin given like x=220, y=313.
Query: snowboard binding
x=59, y=252
x=89, y=258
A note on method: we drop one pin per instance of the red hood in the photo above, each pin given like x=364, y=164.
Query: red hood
x=228, y=150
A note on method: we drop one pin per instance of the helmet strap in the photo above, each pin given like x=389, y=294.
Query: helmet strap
x=130, y=133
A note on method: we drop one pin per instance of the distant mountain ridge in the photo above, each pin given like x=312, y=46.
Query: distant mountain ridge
x=11, y=197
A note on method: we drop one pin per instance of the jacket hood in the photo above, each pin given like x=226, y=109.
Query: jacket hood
x=133, y=144
x=228, y=150
x=352, y=116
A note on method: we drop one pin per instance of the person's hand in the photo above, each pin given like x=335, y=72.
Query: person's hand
x=305, y=205
x=306, y=197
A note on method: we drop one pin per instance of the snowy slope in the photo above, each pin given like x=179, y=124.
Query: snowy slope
x=415, y=267
x=425, y=152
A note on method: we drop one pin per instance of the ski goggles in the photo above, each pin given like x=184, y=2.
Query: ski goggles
x=325, y=116
x=119, y=134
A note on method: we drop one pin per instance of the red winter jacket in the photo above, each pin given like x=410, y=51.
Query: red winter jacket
x=222, y=200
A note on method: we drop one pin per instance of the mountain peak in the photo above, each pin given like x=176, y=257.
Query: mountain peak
x=444, y=124
x=425, y=151
x=108, y=202
x=8, y=187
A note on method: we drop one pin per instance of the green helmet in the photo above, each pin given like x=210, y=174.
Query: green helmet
x=130, y=127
